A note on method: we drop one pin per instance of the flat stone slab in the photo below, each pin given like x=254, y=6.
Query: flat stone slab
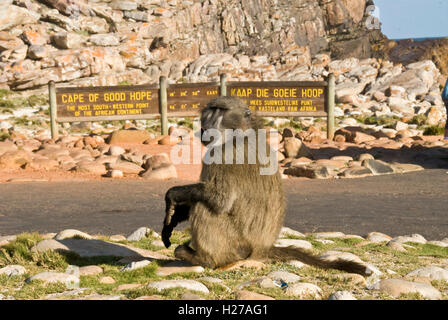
x=304, y=290
x=285, y=232
x=415, y=238
x=303, y=244
x=71, y=233
x=397, y=287
x=13, y=270
x=52, y=277
x=378, y=167
x=285, y=276
x=187, y=284
x=249, y=295
x=431, y=272
x=135, y=265
x=342, y=295
x=97, y=248
x=178, y=267
x=378, y=237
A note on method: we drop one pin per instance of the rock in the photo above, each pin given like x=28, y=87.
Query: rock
x=139, y=234
x=117, y=237
x=436, y=243
x=336, y=255
x=406, y=167
x=190, y=296
x=37, y=52
x=303, y=244
x=327, y=235
x=97, y=248
x=125, y=167
x=162, y=173
x=356, y=172
x=71, y=233
x=4, y=240
x=51, y=277
x=12, y=270
x=243, y=264
x=59, y=295
x=304, y=290
x=90, y=270
x=91, y=167
x=300, y=162
x=378, y=167
x=104, y=40
x=365, y=156
x=378, y=237
x=14, y=159
x=178, y=267
x=42, y=164
x=186, y=284
x=50, y=244
x=169, y=141
x=157, y=161
x=295, y=148
x=285, y=232
x=135, y=265
x=248, y=295
x=107, y=280
x=342, y=295
x=397, y=287
x=68, y=40
x=124, y=5
x=396, y=246
x=116, y=174
x=311, y=171
x=400, y=126
x=11, y=16
x=431, y=272
x=354, y=278
x=415, y=238
x=6, y=146
x=296, y=264
x=284, y=276
x=116, y=150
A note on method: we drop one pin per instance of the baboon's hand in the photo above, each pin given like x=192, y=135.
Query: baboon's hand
x=166, y=234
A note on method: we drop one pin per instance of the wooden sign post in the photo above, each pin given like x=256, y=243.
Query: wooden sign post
x=265, y=98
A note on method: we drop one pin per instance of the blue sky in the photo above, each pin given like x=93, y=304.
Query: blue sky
x=413, y=18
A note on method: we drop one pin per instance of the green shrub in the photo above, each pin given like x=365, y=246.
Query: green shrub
x=433, y=131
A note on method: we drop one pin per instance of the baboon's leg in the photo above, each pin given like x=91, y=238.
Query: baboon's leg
x=181, y=213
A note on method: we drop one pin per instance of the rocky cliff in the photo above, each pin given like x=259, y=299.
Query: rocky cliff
x=108, y=42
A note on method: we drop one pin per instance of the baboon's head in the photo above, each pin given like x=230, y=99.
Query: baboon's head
x=227, y=113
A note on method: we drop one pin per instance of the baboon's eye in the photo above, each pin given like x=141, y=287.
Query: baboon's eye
x=247, y=113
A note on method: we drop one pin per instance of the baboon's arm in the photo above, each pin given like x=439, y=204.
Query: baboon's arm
x=178, y=201
x=181, y=213
x=216, y=200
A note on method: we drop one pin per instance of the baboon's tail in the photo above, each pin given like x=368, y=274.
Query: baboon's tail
x=294, y=253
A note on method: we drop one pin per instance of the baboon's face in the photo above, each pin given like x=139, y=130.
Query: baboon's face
x=226, y=113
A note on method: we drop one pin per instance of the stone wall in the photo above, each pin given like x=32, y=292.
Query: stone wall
x=110, y=42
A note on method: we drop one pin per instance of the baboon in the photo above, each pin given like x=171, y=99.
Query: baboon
x=235, y=213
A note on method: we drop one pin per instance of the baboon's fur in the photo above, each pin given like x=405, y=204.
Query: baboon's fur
x=235, y=213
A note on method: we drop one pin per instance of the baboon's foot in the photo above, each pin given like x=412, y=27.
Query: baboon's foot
x=183, y=252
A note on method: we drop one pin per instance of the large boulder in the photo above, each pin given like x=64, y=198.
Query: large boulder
x=11, y=16
x=129, y=136
x=14, y=159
